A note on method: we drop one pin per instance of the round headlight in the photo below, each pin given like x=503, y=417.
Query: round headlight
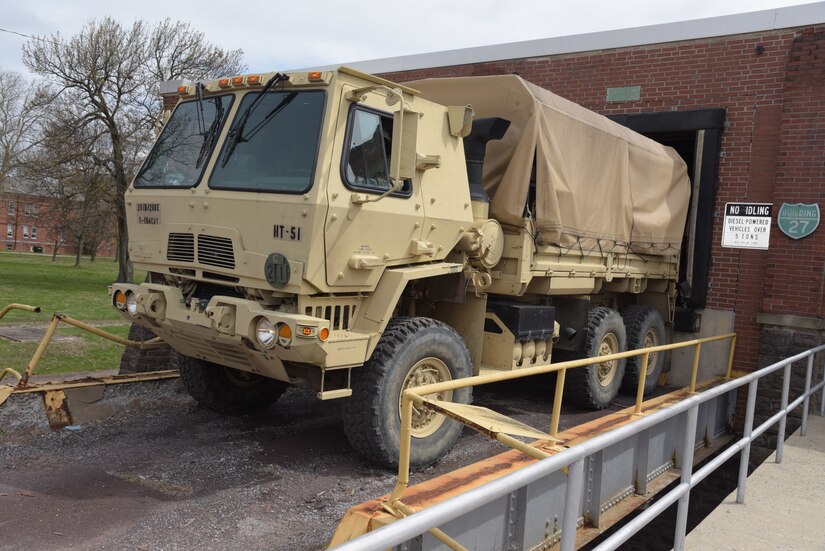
x=131, y=303
x=266, y=333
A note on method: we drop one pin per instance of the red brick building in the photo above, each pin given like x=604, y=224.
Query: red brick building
x=742, y=98
x=24, y=223
x=29, y=223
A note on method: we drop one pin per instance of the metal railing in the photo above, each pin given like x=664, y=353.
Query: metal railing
x=416, y=396
x=572, y=459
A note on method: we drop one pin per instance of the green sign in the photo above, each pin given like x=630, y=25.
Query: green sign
x=797, y=220
x=626, y=93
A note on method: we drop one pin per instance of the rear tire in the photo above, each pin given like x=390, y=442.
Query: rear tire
x=411, y=352
x=645, y=328
x=594, y=386
x=226, y=390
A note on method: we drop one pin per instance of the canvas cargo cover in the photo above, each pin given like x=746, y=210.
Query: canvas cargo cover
x=598, y=185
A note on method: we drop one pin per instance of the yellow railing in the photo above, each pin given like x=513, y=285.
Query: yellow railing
x=416, y=396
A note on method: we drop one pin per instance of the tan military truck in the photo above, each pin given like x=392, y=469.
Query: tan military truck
x=337, y=229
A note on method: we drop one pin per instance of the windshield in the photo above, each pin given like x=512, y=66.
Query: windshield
x=179, y=155
x=274, y=147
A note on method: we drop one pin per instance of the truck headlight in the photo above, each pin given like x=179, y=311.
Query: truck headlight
x=266, y=333
x=131, y=303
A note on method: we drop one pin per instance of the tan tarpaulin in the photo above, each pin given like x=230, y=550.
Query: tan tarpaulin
x=599, y=185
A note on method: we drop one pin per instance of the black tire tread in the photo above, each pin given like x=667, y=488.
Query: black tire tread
x=209, y=386
x=636, y=318
x=361, y=410
x=577, y=386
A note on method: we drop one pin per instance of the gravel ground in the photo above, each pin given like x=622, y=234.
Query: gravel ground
x=150, y=470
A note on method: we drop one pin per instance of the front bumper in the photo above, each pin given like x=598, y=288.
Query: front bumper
x=224, y=331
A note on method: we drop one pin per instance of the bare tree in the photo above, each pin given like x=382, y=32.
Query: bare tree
x=18, y=118
x=70, y=167
x=110, y=73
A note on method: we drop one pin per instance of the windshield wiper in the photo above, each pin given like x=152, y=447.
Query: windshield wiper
x=271, y=115
x=211, y=135
x=236, y=133
x=199, y=97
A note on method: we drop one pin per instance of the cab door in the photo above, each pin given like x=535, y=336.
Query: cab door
x=364, y=232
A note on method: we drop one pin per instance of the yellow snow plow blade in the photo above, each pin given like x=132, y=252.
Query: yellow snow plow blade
x=54, y=397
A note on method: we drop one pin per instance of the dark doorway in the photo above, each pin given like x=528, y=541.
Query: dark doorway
x=697, y=137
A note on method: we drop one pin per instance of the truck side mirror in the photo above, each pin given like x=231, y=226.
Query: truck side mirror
x=460, y=119
x=404, y=137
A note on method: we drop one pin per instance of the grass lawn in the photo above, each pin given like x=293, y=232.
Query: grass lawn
x=85, y=352
x=79, y=292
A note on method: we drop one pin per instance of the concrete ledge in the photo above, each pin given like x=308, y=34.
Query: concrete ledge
x=789, y=320
x=782, y=503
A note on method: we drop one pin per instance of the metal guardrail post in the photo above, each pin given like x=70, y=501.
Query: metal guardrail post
x=572, y=500
x=807, y=402
x=746, y=450
x=404, y=445
x=557, y=398
x=695, y=369
x=687, y=474
x=822, y=397
x=640, y=390
x=730, y=355
x=780, y=439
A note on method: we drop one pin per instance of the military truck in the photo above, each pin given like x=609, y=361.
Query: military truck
x=360, y=236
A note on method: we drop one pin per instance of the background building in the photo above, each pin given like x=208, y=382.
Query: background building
x=742, y=98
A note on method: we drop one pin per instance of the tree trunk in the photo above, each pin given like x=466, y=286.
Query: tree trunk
x=125, y=270
x=54, y=250
x=79, y=252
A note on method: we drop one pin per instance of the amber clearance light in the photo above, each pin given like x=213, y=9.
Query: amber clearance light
x=119, y=300
x=237, y=81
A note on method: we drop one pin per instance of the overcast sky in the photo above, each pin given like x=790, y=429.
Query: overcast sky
x=278, y=35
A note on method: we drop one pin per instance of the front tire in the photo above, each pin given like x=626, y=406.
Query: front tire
x=412, y=352
x=594, y=386
x=226, y=390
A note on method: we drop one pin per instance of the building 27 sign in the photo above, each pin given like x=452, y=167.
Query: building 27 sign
x=747, y=225
x=797, y=220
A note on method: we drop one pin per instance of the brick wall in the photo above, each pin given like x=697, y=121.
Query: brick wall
x=772, y=146
x=21, y=213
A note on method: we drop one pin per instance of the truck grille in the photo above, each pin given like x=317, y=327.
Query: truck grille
x=216, y=251
x=212, y=250
x=181, y=247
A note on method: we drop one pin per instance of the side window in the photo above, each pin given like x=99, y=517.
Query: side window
x=369, y=150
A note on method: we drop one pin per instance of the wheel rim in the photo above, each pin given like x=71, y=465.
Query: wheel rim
x=241, y=379
x=606, y=370
x=651, y=339
x=426, y=371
